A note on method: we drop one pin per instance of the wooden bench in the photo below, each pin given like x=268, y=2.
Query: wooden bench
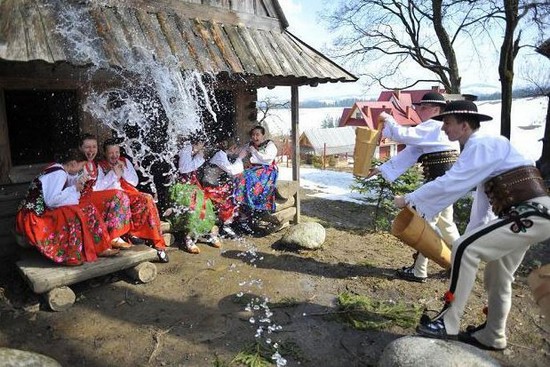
x=285, y=208
x=53, y=280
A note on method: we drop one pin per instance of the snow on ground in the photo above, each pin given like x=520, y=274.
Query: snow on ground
x=334, y=185
x=330, y=185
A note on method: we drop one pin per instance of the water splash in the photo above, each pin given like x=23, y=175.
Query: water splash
x=153, y=105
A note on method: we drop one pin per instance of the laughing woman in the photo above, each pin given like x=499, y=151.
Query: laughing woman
x=255, y=190
x=121, y=175
x=53, y=220
x=114, y=205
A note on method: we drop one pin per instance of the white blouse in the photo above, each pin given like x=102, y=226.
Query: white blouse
x=110, y=181
x=265, y=155
x=220, y=159
x=187, y=161
x=54, y=190
x=483, y=157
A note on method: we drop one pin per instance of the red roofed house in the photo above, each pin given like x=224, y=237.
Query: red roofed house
x=399, y=104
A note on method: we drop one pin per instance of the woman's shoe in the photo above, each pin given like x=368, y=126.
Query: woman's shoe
x=214, y=241
x=119, y=243
x=109, y=252
x=191, y=247
x=163, y=256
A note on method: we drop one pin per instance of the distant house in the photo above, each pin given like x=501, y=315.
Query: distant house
x=399, y=104
x=327, y=142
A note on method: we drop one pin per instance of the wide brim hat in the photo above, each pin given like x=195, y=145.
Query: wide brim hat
x=462, y=108
x=432, y=98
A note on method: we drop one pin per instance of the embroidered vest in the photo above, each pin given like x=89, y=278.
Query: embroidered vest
x=34, y=199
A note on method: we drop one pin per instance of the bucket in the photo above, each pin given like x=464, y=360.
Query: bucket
x=416, y=232
x=539, y=282
x=365, y=144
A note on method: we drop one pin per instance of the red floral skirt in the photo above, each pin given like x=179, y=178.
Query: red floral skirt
x=66, y=235
x=114, y=206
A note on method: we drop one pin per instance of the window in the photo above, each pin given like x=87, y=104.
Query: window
x=40, y=124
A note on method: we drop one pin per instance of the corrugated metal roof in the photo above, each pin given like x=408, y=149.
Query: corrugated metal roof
x=338, y=140
x=119, y=32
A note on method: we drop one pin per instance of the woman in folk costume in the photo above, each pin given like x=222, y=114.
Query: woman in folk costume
x=255, y=189
x=218, y=181
x=508, y=185
x=120, y=174
x=114, y=205
x=191, y=212
x=54, y=222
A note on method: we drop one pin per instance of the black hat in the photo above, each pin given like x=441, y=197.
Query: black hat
x=462, y=108
x=433, y=98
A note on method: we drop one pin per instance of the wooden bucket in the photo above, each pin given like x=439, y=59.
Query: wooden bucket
x=539, y=282
x=416, y=232
x=365, y=144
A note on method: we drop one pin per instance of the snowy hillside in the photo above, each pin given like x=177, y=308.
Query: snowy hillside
x=528, y=113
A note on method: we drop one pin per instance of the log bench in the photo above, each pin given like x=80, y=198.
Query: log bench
x=52, y=280
x=285, y=208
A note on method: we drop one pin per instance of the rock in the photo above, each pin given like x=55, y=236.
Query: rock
x=22, y=358
x=308, y=235
x=412, y=351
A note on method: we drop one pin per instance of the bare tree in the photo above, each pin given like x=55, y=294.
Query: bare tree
x=266, y=106
x=427, y=32
x=424, y=32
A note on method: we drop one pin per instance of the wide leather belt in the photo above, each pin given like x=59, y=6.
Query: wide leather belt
x=437, y=163
x=514, y=187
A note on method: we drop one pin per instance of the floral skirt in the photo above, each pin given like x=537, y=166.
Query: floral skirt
x=114, y=206
x=192, y=212
x=66, y=235
x=255, y=188
x=145, y=222
x=222, y=198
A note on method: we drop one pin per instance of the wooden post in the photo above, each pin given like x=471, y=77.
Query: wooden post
x=295, y=136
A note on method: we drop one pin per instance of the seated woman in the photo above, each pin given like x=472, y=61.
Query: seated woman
x=53, y=220
x=114, y=205
x=255, y=189
x=119, y=174
x=218, y=182
x=190, y=211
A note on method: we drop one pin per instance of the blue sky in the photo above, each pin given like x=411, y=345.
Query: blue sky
x=304, y=22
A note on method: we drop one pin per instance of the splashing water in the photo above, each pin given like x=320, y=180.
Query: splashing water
x=153, y=105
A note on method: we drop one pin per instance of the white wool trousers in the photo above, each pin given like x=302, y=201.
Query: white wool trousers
x=502, y=244
x=445, y=225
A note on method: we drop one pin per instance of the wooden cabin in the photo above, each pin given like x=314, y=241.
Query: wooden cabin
x=236, y=46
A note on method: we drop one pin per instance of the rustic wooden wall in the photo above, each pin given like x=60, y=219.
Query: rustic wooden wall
x=5, y=156
x=246, y=117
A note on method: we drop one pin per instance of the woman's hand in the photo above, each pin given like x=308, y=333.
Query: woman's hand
x=399, y=201
x=118, y=169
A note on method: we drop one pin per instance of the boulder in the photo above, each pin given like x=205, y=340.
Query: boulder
x=308, y=235
x=412, y=351
x=21, y=358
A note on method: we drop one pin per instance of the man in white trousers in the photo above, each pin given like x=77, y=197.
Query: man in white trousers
x=427, y=144
x=508, y=185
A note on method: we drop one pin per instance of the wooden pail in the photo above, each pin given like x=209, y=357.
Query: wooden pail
x=416, y=232
x=365, y=144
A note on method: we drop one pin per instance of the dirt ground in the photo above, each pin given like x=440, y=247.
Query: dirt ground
x=195, y=312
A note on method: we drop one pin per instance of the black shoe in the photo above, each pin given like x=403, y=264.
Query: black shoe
x=228, y=232
x=468, y=338
x=163, y=256
x=245, y=228
x=434, y=329
x=407, y=273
